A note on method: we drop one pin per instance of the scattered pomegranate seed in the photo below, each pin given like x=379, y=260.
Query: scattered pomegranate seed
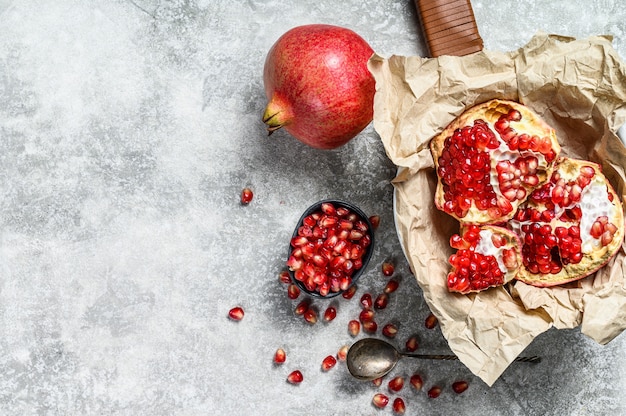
x=431, y=321
x=246, y=196
x=342, y=353
x=380, y=400
x=302, y=307
x=366, y=315
x=310, y=315
x=349, y=293
x=236, y=313
x=377, y=381
x=434, y=392
x=390, y=330
x=381, y=301
x=416, y=381
x=398, y=406
x=459, y=386
x=370, y=327
x=366, y=300
x=375, y=221
x=330, y=313
x=412, y=344
x=388, y=269
x=354, y=327
x=396, y=384
x=280, y=356
x=391, y=286
x=328, y=363
x=284, y=277
x=295, y=377
x=293, y=291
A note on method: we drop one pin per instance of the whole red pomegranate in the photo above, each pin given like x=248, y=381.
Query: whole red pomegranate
x=318, y=85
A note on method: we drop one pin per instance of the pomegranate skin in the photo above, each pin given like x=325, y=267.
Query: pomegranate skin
x=318, y=86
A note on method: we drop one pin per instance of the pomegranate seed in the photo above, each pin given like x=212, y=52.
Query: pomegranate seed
x=431, y=321
x=398, y=406
x=284, y=277
x=380, y=400
x=349, y=293
x=381, y=301
x=388, y=268
x=310, y=315
x=246, y=196
x=330, y=313
x=375, y=221
x=236, y=313
x=293, y=291
x=416, y=381
x=295, y=377
x=377, y=381
x=396, y=384
x=328, y=363
x=366, y=315
x=459, y=386
x=354, y=327
x=302, y=307
x=370, y=327
x=391, y=286
x=342, y=353
x=280, y=356
x=434, y=392
x=390, y=331
x=328, y=209
x=412, y=344
x=366, y=300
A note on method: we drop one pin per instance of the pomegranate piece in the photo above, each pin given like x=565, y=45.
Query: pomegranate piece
x=349, y=293
x=434, y=392
x=295, y=377
x=330, y=313
x=377, y=381
x=284, y=277
x=411, y=344
x=416, y=381
x=396, y=384
x=570, y=226
x=489, y=159
x=391, y=286
x=381, y=301
x=375, y=221
x=293, y=291
x=370, y=327
x=236, y=313
x=398, y=406
x=366, y=300
x=310, y=315
x=280, y=356
x=328, y=363
x=366, y=315
x=354, y=327
x=388, y=269
x=431, y=321
x=246, y=196
x=302, y=307
x=343, y=353
x=380, y=400
x=486, y=256
x=390, y=330
x=459, y=386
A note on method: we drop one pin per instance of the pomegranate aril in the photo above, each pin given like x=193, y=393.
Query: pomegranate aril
x=434, y=392
x=411, y=344
x=330, y=313
x=246, y=196
x=302, y=307
x=459, y=386
x=390, y=330
x=293, y=291
x=377, y=381
x=375, y=221
x=396, y=384
x=416, y=381
x=342, y=353
x=284, y=277
x=391, y=286
x=236, y=313
x=295, y=377
x=280, y=356
x=349, y=293
x=398, y=406
x=328, y=363
x=366, y=315
x=310, y=315
x=381, y=301
x=328, y=208
x=431, y=321
x=366, y=300
x=388, y=269
x=354, y=327
x=380, y=400
x=370, y=327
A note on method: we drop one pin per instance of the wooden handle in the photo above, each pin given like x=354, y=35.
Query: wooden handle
x=449, y=27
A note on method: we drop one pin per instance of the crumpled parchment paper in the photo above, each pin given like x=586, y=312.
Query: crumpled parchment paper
x=579, y=87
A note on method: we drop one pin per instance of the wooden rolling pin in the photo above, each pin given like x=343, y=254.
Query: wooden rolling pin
x=449, y=27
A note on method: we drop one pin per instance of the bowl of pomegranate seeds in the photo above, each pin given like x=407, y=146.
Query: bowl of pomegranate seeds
x=330, y=248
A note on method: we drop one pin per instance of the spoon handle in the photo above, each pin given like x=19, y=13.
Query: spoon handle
x=532, y=359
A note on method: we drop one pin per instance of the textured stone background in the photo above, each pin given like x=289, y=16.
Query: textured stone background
x=127, y=131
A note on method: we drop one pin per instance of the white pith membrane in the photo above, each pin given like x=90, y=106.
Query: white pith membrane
x=486, y=247
x=503, y=153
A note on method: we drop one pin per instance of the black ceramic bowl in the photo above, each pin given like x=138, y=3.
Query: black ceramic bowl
x=364, y=258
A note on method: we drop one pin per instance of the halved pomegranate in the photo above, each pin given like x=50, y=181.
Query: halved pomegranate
x=486, y=256
x=489, y=159
x=570, y=227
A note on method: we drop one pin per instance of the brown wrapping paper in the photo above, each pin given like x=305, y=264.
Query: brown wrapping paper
x=576, y=85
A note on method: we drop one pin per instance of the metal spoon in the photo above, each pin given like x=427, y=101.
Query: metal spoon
x=371, y=358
